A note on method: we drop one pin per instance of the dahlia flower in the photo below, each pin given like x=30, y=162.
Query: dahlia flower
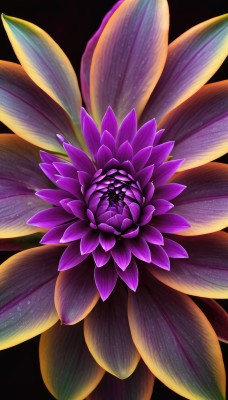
x=116, y=209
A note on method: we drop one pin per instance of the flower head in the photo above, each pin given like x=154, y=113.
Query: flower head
x=123, y=205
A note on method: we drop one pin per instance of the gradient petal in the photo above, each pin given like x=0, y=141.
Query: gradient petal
x=27, y=282
x=45, y=63
x=18, y=185
x=190, y=364
x=139, y=386
x=205, y=272
x=31, y=113
x=67, y=367
x=76, y=293
x=124, y=73
x=204, y=204
x=192, y=60
x=199, y=126
x=108, y=337
x=216, y=315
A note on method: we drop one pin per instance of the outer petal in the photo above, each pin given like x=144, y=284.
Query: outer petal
x=18, y=185
x=199, y=126
x=45, y=63
x=139, y=386
x=176, y=341
x=88, y=55
x=129, y=57
x=205, y=272
x=76, y=293
x=204, y=204
x=192, y=60
x=30, y=112
x=67, y=367
x=27, y=282
x=108, y=336
x=217, y=316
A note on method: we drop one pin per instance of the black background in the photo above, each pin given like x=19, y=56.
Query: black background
x=71, y=23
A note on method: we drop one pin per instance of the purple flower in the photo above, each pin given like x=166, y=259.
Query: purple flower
x=129, y=209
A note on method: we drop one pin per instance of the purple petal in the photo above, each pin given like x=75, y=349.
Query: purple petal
x=108, y=140
x=54, y=235
x=152, y=235
x=107, y=241
x=104, y=154
x=159, y=257
x=71, y=256
x=78, y=207
x=53, y=196
x=174, y=249
x=145, y=175
x=127, y=129
x=100, y=256
x=105, y=279
x=50, y=218
x=169, y=191
x=89, y=242
x=70, y=185
x=145, y=136
x=166, y=171
x=130, y=276
x=121, y=254
x=76, y=293
x=74, y=232
x=124, y=152
x=171, y=223
x=160, y=153
x=131, y=233
x=141, y=157
x=139, y=247
x=65, y=169
x=162, y=206
x=109, y=121
x=50, y=171
x=146, y=215
x=80, y=160
x=91, y=135
x=84, y=178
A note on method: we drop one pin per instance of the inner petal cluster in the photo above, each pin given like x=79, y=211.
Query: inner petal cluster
x=113, y=206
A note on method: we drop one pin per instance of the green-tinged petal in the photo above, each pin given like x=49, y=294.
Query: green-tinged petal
x=199, y=126
x=45, y=63
x=192, y=60
x=76, y=293
x=204, y=203
x=217, y=316
x=30, y=112
x=176, y=341
x=27, y=282
x=20, y=177
x=205, y=272
x=108, y=337
x=139, y=386
x=68, y=369
x=21, y=243
x=129, y=57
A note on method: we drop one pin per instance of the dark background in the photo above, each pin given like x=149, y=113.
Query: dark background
x=71, y=23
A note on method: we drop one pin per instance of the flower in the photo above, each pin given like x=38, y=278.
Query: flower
x=126, y=203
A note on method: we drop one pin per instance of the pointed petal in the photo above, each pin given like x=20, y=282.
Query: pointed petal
x=31, y=113
x=205, y=201
x=75, y=231
x=105, y=279
x=159, y=257
x=108, y=337
x=130, y=276
x=104, y=154
x=121, y=254
x=67, y=367
x=45, y=63
x=89, y=242
x=192, y=60
x=54, y=235
x=140, y=249
x=76, y=293
x=204, y=273
x=50, y=218
x=152, y=235
x=181, y=348
x=127, y=128
x=139, y=386
x=216, y=315
x=18, y=185
x=27, y=294
x=109, y=122
x=145, y=136
x=171, y=223
x=80, y=159
x=199, y=126
x=71, y=256
x=91, y=135
x=100, y=256
x=115, y=79
x=88, y=55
